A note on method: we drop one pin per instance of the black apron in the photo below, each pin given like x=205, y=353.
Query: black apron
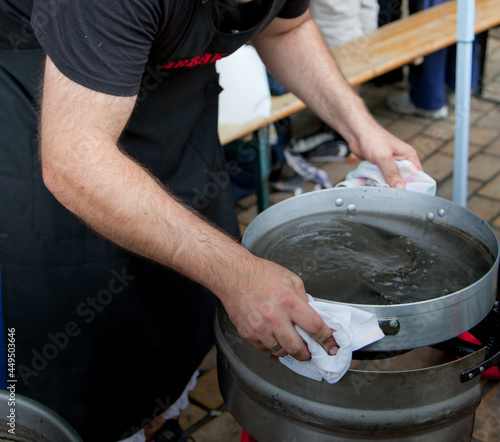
x=104, y=338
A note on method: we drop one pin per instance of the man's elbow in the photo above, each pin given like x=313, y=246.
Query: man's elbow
x=55, y=175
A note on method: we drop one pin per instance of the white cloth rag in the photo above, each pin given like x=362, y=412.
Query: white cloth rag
x=368, y=174
x=353, y=329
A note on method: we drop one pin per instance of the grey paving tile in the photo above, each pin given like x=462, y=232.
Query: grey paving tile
x=222, y=429
x=439, y=166
x=442, y=130
x=191, y=416
x=445, y=189
x=487, y=422
x=381, y=110
x=384, y=120
x=481, y=106
x=276, y=197
x=484, y=167
x=483, y=135
x=495, y=37
x=475, y=116
x=491, y=189
x=207, y=391
x=209, y=361
x=449, y=148
x=496, y=226
x=403, y=129
x=491, y=89
x=496, y=223
x=425, y=145
x=490, y=119
x=486, y=208
x=493, y=148
x=497, y=231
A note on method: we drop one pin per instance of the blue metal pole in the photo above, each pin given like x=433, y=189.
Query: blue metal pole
x=465, y=38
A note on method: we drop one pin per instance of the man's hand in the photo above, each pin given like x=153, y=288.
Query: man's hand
x=270, y=301
x=377, y=145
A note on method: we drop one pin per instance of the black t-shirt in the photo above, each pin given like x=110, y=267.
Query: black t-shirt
x=105, y=45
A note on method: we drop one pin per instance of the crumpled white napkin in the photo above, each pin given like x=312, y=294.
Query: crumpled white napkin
x=368, y=174
x=354, y=329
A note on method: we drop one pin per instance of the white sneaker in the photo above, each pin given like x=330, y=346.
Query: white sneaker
x=400, y=102
x=451, y=97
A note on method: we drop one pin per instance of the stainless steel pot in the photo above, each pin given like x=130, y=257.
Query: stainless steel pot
x=417, y=404
x=409, y=325
x=31, y=421
x=274, y=404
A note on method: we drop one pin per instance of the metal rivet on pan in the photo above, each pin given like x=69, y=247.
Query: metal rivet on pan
x=339, y=202
x=394, y=323
x=351, y=208
x=481, y=369
x=441, y=212
x=430, y=216
x=471, y=375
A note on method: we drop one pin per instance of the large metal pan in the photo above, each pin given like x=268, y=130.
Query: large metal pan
x=412, y=324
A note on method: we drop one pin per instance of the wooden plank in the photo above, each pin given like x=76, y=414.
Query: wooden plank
x=401, y=42
x=389, y=47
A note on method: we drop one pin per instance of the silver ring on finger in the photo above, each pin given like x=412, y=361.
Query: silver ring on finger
x=275, y=348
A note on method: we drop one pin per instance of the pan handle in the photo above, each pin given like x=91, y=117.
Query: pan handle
x=493, y=346
x=478, y=369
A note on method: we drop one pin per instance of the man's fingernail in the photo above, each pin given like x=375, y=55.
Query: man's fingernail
x=400, y=185
x=333, y=351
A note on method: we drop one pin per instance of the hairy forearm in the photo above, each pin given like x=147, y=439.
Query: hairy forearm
x=124, y=203
x=299, y=59
x=88, y=173
x=296, y=55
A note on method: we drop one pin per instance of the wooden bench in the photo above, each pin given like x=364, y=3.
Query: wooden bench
x=370, y=56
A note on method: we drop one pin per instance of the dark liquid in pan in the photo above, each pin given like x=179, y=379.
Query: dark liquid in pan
x=377, y=260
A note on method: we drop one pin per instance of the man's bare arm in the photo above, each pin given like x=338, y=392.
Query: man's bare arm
x=88, y=173
x=294, y=52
